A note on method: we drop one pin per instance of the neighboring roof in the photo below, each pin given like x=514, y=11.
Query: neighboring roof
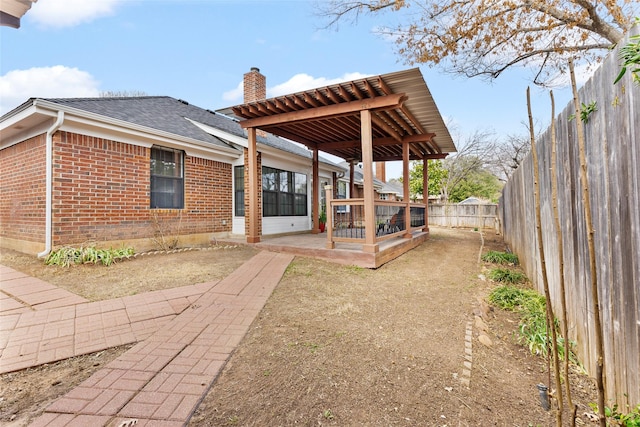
x=12, y=10
x=394, y=187
x=358, y=175
x=328, y=118
x=474, y=201
x=166, y=114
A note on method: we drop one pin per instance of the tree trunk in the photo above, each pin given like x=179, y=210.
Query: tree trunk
x=592, y=253
x=563, y=296
x=543, y=265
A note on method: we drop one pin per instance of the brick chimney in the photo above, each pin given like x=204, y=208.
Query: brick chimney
x=381, y=173
x=255, y=89
x=255, y=86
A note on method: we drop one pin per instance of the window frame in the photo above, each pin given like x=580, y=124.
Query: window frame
x=166, y=190
x=284, y=193
x=340, y=196
x=238, y=191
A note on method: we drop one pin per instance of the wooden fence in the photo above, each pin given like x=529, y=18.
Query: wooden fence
x=613, y=167
x=464, y=216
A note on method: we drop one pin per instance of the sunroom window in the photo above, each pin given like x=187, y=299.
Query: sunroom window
x=284, y=193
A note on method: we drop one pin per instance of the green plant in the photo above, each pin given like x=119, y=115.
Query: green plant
x=497, y=257
x=510, y=297
x=585, y=111
x=532, y=329
x=630, y=56
x=68, y=255
x=506, y=275
x=617, y=418
x=327, y=414
x=533, y=325
x=323, y=217
x=313, y=347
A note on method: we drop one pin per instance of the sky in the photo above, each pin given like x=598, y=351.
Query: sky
x=198, y=51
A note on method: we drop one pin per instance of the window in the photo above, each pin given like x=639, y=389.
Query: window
x=283, y=193
x=167, y=178
x=341, y=193
x=238, y=185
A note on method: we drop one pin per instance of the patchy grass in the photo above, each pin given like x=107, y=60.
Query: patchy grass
x=532, y=330
x=497, y=257
x=506, y=275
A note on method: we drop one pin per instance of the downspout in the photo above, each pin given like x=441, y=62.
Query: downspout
x=49, y=184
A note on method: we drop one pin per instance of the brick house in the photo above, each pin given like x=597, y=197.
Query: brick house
x=123, y=170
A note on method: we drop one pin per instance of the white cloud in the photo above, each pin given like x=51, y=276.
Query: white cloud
x=302, y=81
x=234, y=95
x=45, y=82
x=297, y=83
x=67, y=13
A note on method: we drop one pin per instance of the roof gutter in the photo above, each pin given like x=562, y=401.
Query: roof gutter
x=76, y=114
x=49, y=184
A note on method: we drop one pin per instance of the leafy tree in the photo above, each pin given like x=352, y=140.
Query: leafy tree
x=481, y=184
x=474, y=153
x=437, y=174
x=630, y=56
x=485, y=37
x=467, y=173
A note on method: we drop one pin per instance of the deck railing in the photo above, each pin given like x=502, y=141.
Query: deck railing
x=348, y=219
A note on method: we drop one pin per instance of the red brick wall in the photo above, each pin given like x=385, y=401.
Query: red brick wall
x=208, y=195
x=22, y=189
x=101, y=192
x=100, y=189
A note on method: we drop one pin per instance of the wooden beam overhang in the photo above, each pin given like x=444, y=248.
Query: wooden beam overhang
x=377, y=142
x=327, y=111
x=283, y=133
x=329, y=118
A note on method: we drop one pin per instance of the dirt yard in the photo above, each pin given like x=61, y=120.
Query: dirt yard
x=334, y=345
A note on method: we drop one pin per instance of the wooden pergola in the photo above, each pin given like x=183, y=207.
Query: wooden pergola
x=376, y=119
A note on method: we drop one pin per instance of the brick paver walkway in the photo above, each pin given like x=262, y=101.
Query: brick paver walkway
x=20, y=293
x=162, y=379
x=34, y=334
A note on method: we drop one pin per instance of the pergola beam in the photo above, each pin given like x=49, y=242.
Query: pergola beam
x=324, y=112
x=377, y=142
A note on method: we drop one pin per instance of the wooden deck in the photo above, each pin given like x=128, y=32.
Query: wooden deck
x=314, y=246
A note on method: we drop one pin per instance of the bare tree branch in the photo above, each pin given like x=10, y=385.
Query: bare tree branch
x=486, y=37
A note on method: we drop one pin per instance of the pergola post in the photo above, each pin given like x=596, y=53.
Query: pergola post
x=425, y=193
x=405, y=189
x=370, y=244
x=352, y=190
x=329, y=197
x=254, y=209
x=315, y=213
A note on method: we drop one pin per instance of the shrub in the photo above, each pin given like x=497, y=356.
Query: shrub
x=532, y=330
x=497, y=257
x=506, y=275
x=86, y=255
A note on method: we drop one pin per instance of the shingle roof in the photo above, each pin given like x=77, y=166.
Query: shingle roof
x=156, y=112
x=168, y=114
x=358, y=174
